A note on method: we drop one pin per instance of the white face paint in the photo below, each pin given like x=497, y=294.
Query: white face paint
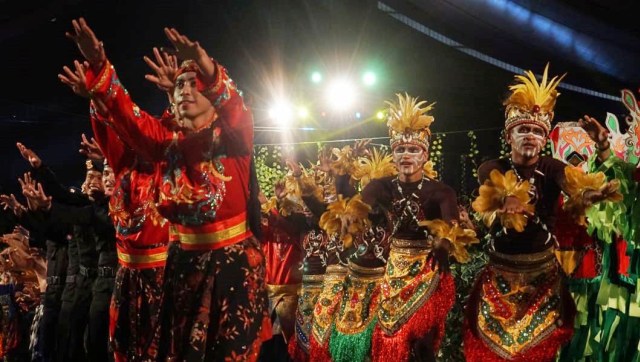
x=409, y=159
x=528, y=140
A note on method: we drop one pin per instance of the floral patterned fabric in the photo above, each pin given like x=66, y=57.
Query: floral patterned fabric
x=134, y=329
x=217, y=305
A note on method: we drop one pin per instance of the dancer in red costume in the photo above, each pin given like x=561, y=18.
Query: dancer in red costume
x=215, y=296
x=142, y=235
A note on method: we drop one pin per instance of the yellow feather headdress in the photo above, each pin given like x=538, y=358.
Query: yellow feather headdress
x=409, y=122
x=532, y=102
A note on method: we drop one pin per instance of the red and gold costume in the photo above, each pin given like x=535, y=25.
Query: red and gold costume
x=142, y=241
x=215, y=294
x=520, y=309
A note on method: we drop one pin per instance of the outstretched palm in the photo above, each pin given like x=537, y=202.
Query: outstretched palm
x=89, y=45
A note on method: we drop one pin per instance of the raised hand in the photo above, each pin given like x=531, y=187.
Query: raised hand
x=29, y=155
x=91, y=149
x=75, y=79
x=89, y=45
x=361, y=147
x=294, y=167
x=9, y=202
x=36, y=198
x=165, y=67
x=324, y=160
x=598, y=133
x=191, y=50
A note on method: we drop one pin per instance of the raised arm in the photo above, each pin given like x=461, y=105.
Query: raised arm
x=135, y=127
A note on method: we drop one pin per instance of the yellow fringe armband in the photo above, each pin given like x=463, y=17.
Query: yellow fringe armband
x=460, y=238
x=492, y=197
x=577, y=183
x=346, y=218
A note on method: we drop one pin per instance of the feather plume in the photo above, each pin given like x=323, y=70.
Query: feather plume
x=377, y=165
x=460, y=238
x=528, y=92
x=409, y=115
x=577, y=182
x=346, y=218
x=492, y=195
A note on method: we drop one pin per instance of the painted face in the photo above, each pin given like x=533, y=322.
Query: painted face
x=190, y=103
x=108, y=180
x=409, y=158
x=527, y=139
x=93, y=182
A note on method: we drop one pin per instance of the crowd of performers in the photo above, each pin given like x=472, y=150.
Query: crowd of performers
x=170, y=252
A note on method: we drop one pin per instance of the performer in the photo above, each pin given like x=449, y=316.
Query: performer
x=418, y=290
x=283, y=225
x=519, y=308
x=141, y=234
x=215, y=292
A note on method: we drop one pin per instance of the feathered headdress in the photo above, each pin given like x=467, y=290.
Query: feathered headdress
x=532, y=102
x=409, y=122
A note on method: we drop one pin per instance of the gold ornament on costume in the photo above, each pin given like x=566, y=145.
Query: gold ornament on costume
x=493, y=194
x=429, y=171
x=271, y=204
x=377, y=165
x=577, y=183
x=346, y=218
x=532, y=102
x=459, y=237
x=409, y=122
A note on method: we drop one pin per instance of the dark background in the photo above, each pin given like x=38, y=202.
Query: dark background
x=272, y=45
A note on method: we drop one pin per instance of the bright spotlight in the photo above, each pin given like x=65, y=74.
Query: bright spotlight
x=316, y=77
x=282, y=113
x=358, y=115
x=369, y=78
x=303, y=112
x=380, y=115
x=341, y=94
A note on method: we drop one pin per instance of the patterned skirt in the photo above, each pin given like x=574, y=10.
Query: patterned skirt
x=307, y=298
x=519, y=310
x=356, y=318
x=325, y=310
x=216, y=305
x=415, y=301
x=134, y=323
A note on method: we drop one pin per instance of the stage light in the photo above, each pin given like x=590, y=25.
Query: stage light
x=358, y=115
x=380, y=115
x=282, y=113
x=303, y=112
x=369, y=78
x=341, y=94
x=316, y=77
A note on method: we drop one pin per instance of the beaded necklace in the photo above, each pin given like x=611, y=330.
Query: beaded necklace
x=407, y=209
x=533, y=190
